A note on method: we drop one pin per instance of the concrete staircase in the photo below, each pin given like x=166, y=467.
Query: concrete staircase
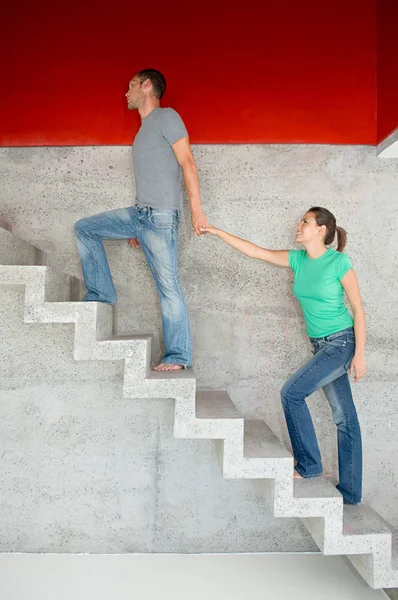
x=246, y=449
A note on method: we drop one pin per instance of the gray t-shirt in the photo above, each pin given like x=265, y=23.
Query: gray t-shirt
x=158, y=174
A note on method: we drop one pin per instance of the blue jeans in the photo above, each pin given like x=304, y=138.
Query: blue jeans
x=157, y=231
x=327, y=370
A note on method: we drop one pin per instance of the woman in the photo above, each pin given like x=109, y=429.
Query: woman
x=321, y=276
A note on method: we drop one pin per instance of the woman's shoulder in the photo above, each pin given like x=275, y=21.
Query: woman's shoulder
x=295, y=258
x=297, y=253
x=339, y=257
x=341, y=261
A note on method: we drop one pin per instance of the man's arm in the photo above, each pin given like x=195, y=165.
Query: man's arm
x=183, y=153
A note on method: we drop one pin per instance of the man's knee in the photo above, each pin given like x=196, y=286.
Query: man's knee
x=85, y=227
x=80, y=226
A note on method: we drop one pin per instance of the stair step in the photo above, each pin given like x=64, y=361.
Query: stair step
x=261, y=442
x=14, y=251
x=181, y=374
x=122, y=347
x=215, y=405
x=128, y=338
x=395, y=550
x=363, y=520
x=317, y=487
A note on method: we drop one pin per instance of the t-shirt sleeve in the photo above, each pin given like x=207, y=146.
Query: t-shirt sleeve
x=294, y=257
x=172, y=126
x=344, y=264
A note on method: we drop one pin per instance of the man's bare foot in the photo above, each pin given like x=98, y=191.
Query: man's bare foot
x=166, y=367
x=296, y=475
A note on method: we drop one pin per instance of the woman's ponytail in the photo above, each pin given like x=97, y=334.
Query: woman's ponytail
x=341, y=239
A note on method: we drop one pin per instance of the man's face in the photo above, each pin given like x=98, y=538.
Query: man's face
x=134, y=94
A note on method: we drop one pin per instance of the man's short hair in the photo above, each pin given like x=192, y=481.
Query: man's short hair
x=157, y=79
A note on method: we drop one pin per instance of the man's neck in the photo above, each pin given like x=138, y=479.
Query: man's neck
x=148, y=107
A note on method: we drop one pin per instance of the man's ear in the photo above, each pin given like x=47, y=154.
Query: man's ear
x=146, y=85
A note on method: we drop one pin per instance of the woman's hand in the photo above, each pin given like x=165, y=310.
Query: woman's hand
x=358, y=367
x=209, y=229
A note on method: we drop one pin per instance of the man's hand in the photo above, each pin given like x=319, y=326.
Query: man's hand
x=134, y=243
x=199, y=222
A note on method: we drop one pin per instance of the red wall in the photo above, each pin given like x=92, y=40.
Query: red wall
x=265, y=71
x=387, y=68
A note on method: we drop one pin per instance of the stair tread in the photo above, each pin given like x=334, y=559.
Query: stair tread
x=261, y=442
x=363, y=520
x=180, y=374
x=215, y=405
x=316, y=487
x=138, y=336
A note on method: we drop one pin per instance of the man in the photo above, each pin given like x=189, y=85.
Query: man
x=161, y=154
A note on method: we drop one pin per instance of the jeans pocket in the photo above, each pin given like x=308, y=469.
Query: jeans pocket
x=336, y=345
x=164, y=219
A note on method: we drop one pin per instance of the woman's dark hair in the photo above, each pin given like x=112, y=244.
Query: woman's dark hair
x=323, y=216
x=157, y=79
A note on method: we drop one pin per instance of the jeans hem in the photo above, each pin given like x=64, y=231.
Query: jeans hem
x=307, y=476
x=345, y=499
x=101, y=301
x=176, y=362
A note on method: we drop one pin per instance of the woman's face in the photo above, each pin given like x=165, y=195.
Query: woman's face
x=308, y=230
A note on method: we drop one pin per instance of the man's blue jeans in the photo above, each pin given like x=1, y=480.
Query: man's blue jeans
x=328, y=370
x=157, y=231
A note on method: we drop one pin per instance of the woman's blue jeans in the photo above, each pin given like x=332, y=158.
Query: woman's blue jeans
x=327, y=370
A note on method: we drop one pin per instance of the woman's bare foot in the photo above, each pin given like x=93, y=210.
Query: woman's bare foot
x=296, y=475
x=166, y=367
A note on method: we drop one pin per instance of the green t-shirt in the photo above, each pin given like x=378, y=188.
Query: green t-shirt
x=317, y=285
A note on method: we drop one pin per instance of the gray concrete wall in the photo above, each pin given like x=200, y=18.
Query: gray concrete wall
x=247, y=329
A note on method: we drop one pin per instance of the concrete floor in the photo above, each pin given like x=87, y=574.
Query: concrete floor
x=232, y=577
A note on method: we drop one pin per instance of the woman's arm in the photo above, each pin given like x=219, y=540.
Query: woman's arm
x=275, y=257
x=351, y=288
